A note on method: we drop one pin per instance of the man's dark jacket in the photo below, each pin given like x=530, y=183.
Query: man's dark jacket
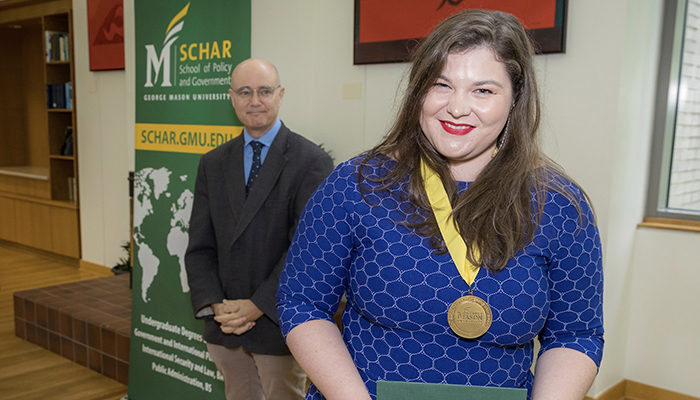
x=237, y=245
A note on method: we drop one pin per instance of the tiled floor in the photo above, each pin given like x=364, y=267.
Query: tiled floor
x=88, y=322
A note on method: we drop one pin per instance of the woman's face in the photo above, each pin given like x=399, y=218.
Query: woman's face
x=466, y=109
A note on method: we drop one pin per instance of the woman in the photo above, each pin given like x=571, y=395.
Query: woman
x=455, y=240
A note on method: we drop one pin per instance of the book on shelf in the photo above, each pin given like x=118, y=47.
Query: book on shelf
x=62, y=47
x=72, y=190
x=56, y=46
x=67, y=147
x=51, y=100
x=69, y=95
x=59, y=96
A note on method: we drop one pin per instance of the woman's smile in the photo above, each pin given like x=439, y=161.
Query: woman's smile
x=456, y=129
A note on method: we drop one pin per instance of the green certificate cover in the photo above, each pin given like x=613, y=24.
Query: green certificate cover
x=387, y=390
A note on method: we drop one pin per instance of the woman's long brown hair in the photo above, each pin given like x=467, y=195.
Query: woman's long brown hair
x=499, y=213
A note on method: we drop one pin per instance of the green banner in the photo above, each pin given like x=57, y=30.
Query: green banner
x=185, y=52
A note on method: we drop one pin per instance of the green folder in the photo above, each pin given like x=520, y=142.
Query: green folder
x=387, y=390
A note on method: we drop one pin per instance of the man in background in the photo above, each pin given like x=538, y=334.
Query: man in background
x=249, y=194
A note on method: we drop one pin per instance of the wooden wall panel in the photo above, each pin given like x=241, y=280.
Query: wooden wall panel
x=23, y=104
x=35, y=98
x=26, y=187
x=14, y=150
x=64, y=232
x=33, y=224
x=7, y=220
x=37, y=209
x=20, y=10
x=641, y=391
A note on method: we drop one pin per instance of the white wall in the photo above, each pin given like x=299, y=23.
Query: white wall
x=630, y=154
x=580, y=94
x=312, y=48
x=598, y=100
x=103, y=151
x=663, y=348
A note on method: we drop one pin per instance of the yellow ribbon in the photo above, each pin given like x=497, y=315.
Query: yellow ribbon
x=442, y=209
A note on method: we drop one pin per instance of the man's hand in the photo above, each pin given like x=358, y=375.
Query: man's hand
x=236, y=316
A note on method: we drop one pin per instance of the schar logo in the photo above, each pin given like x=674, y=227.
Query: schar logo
x=155, y=63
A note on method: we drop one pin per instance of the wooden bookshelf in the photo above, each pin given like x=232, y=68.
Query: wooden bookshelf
x=39, y=204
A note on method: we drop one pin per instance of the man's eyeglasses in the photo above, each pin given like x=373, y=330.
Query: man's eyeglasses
x=265, y=93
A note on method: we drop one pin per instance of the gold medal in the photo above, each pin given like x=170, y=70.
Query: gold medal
x=469, y=317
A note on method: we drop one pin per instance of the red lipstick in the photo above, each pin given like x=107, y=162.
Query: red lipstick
x=456, y=129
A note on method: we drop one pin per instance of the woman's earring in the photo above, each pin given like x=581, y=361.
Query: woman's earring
x=504, y=136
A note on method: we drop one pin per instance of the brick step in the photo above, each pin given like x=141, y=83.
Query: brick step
x=87, y=322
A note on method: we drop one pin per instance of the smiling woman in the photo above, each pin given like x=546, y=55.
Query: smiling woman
x=455, y=240
x=466, y=110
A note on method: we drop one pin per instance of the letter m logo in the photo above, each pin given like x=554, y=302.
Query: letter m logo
x=154, y=62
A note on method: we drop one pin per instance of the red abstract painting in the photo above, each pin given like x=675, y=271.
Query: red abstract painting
x=106, y=34
x=388, y=30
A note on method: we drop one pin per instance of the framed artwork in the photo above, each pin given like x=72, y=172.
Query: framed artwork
x=106, y=34
x=388, y=30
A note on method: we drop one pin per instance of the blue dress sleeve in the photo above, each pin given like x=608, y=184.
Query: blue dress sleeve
x=316, y=268
x=575, y=275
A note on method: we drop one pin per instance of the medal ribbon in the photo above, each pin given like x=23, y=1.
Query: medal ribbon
x=442, y=209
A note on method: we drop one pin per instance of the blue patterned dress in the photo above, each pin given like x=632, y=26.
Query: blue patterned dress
x=398, y=290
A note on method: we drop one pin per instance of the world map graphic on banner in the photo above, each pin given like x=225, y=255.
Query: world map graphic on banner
x=153, y=199
x=184, y=53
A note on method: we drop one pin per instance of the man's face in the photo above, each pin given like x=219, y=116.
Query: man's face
x=256, y=78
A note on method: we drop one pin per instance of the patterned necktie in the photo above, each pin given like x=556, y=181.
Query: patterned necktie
x=255, y=168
